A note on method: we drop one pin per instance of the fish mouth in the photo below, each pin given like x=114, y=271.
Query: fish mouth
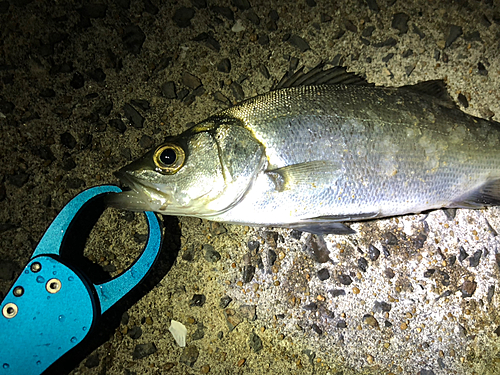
x=136, y=197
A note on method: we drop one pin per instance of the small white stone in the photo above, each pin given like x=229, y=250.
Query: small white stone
x=238, y=26
x=179, y=331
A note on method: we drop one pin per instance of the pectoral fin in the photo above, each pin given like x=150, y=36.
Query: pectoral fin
x=313, y=174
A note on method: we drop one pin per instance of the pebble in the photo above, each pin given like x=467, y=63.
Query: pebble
x=225, y=12
x=390, y=239
x=232, y=318
x=6, y=107
x=462, y=99
x=252, y=17
x=373, y=253
x=248, y=273
x=468, y=288
x=135, y=118
x=197, y=300
x=455, y=32
x=142, y=104
x=429, y=272
x=369, y=359
x=316, y=247
x=372, y=5
x=362, y=264
x=188, y=254
x=366, y=42
x=224, y=66
x=417, y=31
x=146, y=142
x=349, y=25
x=381, y=307
x=400, y=22
x=298, y=42
x=481, y=69
x=118, y=124
x=389, y=42
x=47, y=93
x=241, y=362
x=248, y=311
x=345, y=279
x=337, y=292
x=133, y=38
x=237, y=91
x=97, y=75
x=92, y=360
x=199, y=333
x=78, y=81
x=221, y=98
x=189, y=355
x=368, y=31
x=370, y=320
x=311, y=306
x=341, y=324
x=211, y=255
x=255, y=342
x=323, y=274
x=253, y=245
x=134, y=333
x=316, y=329
x=190, y=80
x=182, y=17
x=474, y=259
x=463, y=255
x=143, y=350
x=264, y=71
x=224, y=302
x=263, y=40
x=68, y=140
x=209, y=40
x=205, y=369
x=168, y=90
x=387, y=57
x=490, y=293
x=355, y=290
x=403, y=326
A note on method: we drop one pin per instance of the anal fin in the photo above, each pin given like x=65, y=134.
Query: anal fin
x=488, y=194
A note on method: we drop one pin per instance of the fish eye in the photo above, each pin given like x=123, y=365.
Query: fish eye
x=169, y=158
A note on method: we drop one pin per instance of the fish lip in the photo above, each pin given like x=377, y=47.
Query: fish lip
x=137, y=191
x=124, y=179
x=129, y=182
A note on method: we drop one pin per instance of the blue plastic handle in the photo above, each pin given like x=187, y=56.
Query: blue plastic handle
x=113, y=290
x=51, y=307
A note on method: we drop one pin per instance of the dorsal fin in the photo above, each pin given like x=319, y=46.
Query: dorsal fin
x=317, y=76
x=435, y=88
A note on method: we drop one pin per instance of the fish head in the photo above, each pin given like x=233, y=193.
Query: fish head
x=202, y=172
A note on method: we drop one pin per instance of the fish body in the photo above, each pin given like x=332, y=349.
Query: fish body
x=313, y=156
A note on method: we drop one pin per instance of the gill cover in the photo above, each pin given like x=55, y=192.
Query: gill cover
x=241, y=157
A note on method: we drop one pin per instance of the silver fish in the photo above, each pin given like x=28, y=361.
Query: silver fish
x=324, y=148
